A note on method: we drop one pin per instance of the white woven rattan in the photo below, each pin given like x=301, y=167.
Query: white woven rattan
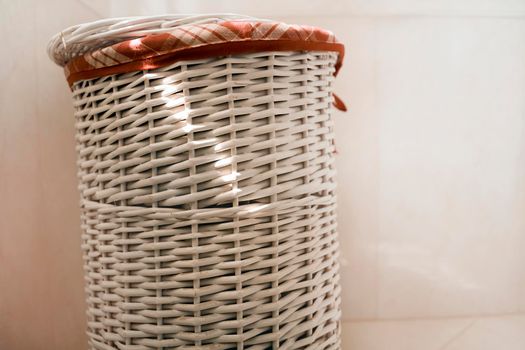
x=208, y=204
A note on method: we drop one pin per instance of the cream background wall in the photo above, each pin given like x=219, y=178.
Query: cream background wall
x=431, y=170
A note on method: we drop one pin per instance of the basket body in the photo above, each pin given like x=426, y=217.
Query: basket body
x=208, y=204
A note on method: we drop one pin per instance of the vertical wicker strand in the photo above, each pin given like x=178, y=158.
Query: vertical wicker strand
x=273, y=199
x=89, y=251
x=325, y=111
x=306, y=150
x=194, y=206
x=100, y=292
x=154, y=204
x=336, y=334
x=235, y=203
x=106, y=323
x=122, y=202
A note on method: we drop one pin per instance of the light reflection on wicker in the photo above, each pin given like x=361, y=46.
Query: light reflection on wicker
x=208, y=204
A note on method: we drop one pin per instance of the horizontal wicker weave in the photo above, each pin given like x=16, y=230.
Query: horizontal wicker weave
x=208, y=204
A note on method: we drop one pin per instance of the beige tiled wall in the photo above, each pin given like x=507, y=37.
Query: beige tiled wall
x=431, y=169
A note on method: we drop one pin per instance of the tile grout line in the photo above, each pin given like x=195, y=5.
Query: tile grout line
x=458, y=335
x=436, y=318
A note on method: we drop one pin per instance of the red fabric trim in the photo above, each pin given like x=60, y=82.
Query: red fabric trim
x=79, y=71
x=338, y=103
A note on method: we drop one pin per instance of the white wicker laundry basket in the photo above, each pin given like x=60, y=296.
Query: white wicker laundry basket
x=207, y=182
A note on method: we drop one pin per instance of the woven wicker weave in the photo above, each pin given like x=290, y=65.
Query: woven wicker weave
x=208, y=204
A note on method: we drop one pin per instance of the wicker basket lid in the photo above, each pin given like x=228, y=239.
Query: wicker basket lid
x=120, y=45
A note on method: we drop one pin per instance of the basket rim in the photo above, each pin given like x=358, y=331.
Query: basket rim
x=90, y=36
x=115, y=46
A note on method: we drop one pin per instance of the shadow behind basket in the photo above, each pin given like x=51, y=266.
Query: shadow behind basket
x=208, y=203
